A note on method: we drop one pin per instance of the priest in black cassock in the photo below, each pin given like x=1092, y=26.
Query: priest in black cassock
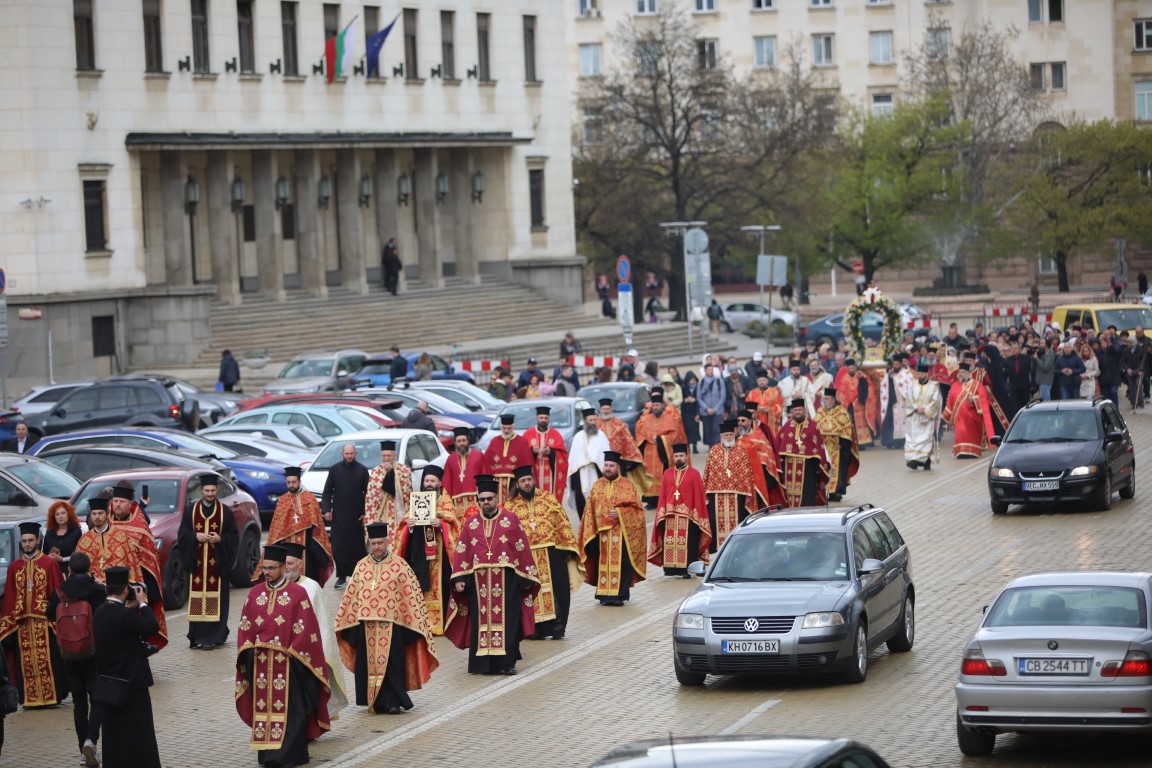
x=207, y=543
x=343, y=506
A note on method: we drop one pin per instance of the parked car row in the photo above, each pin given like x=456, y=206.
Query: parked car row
x=315, y=372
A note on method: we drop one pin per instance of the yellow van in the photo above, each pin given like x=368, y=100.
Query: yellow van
x=1125, y=317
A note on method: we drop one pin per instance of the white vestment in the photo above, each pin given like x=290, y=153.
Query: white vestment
x=586, y=461
x=922, y=409
x=339, y=697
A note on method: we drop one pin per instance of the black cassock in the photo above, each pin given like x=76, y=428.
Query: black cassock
x=394, y=687
x=303, y=697
x=344, y=493
x=561, y=595
x=514, y=590
x=210, y=632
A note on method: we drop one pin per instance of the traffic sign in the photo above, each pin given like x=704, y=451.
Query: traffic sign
x=624, y=269
x=626, y=313
x=3, y=320
x=695, y=241
x=858, y=267
x=3, y=282
x=771, y=270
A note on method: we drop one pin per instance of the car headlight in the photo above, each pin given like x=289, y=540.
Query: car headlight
x=689, y=621
x=1002, y=472
x=828, y=619
x=258, y=474
x=1083, y=471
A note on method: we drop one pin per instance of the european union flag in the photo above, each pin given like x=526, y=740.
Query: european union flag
x=375, y=43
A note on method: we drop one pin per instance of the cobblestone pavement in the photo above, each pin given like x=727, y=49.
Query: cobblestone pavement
x=611, y=680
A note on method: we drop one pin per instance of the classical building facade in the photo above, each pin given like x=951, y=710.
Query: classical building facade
x=159, y=155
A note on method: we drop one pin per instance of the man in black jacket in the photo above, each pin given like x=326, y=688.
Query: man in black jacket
x=343, y=506
x=81, y=673
x=121, y=626
x=398, y=369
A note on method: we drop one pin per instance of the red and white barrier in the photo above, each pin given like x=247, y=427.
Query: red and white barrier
x=923, y=322
x=588, y=361
x=1021, y=313
x=476, y=366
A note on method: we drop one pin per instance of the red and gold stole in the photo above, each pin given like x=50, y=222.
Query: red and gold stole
x=30, y=583
x=204, y=592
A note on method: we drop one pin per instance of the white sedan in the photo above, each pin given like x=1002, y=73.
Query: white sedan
x=1058, y=652
x=739, y=314
x=416, y=448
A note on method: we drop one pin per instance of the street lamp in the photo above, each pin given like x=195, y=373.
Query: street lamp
x=677, y=229
x=238, y=194
x=325, y=192
x=478, y=187
x=403, y=189
x=191, y=200
x=283, y=191
x=367, y=187
x=761, y=229
x=441, y=188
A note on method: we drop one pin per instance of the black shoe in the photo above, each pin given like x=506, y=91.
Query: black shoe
x=510, y=671
x=341, y=584
x=928, y=464
x=558, y=635
x=834, y=497
x=913, y=465
x=209, y=646
x=393, y=711
x=685, y=576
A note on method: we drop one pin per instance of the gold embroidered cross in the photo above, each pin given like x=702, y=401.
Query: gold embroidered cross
x=676, y=495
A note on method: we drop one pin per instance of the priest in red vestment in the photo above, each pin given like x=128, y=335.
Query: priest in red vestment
x=769, y=403
x=621, y=441
x=804, y=462
x=494, y=583
x=613, y=536
x=129, y=517
x=26, y=634
x=382, y=626
x=656, y=430
x=207, y=545
x=460, y=470
x=681, y=533
x=298, y=520
x=389, y=486
x=282, y=686
x=729, y=483
x=853, y=392
x=550, y=467
x=428, y=549
x=839, y=434
x=751, y=435
x=969, y=412
x=507, y=451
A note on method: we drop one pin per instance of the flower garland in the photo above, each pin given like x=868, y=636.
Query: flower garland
x=873, y=300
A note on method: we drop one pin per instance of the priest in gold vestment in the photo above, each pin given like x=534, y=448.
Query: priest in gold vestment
x=613, y=536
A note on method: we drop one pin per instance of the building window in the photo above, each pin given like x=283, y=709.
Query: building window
x=153, y=58
x=104, y=336
x=882, y=104
x=411, y=68
x=645, y=6
x=95, y=212
x=288, y=35
x=590, y=59
x=762, y=5
x=1047, y=265
x=825, y=113
x=705, y=6
x=764, y=52
x=587, y=8
x=1058, y=80
x=821, y=3
x=530, y=49
x=1144, y=100
x=247, y=36
x=1143, y=35
x=881, y=46
x=85, y=35
x=706, y=54
x=200, y=36
x=371, y=27
x=823, y=50
x=648, y=53
x=1037, y=9
x=448, y=45
x=883, y=2
x=248, y=225
x=593, y=125
x=1036, y=76
x=536, y=196
x=287, y=221
x=939, y=42
x=483, y=37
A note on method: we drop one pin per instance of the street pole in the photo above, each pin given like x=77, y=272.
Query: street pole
x=677, y=229
x=760, y=230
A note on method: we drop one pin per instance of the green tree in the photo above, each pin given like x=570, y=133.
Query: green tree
x=1090, y=182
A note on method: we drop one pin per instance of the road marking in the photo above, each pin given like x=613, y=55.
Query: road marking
x=986, y=561
x=748, y=718
x=373, y=748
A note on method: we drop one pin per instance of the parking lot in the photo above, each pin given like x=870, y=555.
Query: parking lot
x=611, y=680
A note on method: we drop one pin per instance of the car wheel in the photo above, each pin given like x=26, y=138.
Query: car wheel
x=175, y=581
x=686, y=678
x=1104, y=500
x=974, y=743
x=247, y=559
x=725, y=327
x=1129, y=489
x=999, y=508
x=906, y=634
x=858, y=670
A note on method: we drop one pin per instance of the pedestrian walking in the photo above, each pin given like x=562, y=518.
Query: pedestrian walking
x=1142, y=283
x=391, y=265
x=229, y=375
x=294, y=567
x=343, y=505
x=710, y=396
x=398, y=368
x=208, y=542
x=715, y=316
x=120, y=628
x=922, y=404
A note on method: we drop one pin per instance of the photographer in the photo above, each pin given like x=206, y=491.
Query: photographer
x=121, y=626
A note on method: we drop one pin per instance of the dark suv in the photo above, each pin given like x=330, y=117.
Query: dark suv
x=1063, y=451
x=796, y=591
x=142, y=401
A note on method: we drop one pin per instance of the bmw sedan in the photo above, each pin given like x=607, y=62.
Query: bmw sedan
x=1058, y=652
x=741, y=751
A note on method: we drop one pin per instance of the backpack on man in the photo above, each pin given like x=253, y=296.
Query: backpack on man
x=74, y=633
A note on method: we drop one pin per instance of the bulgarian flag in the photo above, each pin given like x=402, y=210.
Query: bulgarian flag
x=338, y=52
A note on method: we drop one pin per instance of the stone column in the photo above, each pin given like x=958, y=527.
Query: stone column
x=348, y=219
x=177, y=258
x=427, y=218
x=222, y=224
x=269, y=256
x=460, y=189
x=312, y=269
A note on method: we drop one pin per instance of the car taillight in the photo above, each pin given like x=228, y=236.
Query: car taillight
x=174, y=411
x=975, y=664
x=1135, y=664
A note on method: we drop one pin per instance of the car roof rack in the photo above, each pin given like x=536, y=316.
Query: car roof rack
x=856, y=511
x=761, y=513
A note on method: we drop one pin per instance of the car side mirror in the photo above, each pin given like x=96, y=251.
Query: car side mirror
x=984, y=610
x=696, y=568
x=419, y=464
x=60, y=412
x=341, y=373
x=20, y=499
x=995, y=439
x=869, y=566
x=1115, y=436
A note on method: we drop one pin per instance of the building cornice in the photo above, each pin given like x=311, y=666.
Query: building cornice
x=340, y=140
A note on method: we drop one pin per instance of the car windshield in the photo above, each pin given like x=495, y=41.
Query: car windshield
x=367, y=453
x=1065, y=606
x=200, y=446
x=623, y=398
x=46, y=479
x=525, y=414
x=5, y=548
x=782, y=556
x=163, y=495
x=375, y=368
x=469, y=394
x=1125, y=319
x=1054, y=426
x=50, y=396
x=358, y=419
x=306, y=369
